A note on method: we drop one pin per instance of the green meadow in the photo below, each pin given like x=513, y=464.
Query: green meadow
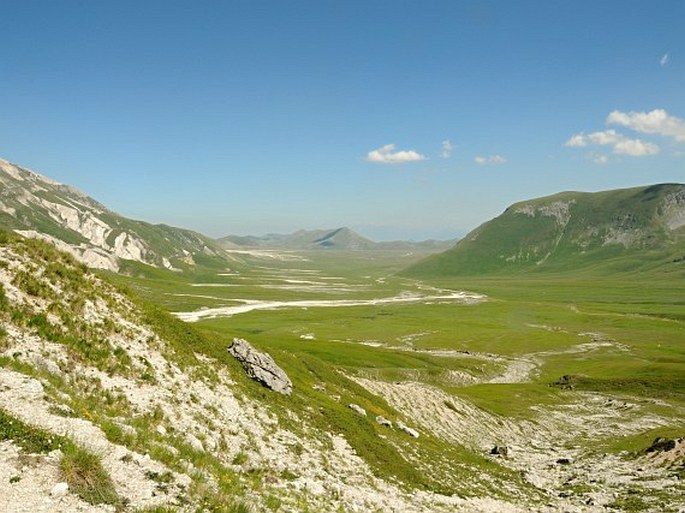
x=618, y=335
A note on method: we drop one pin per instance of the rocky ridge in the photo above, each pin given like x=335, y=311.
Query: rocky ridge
x=39, y=207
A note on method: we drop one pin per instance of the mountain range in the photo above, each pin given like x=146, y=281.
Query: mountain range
x=36, y=206
x=110, y=403
x=613, y=231
x=620, y=230
x=338, y=238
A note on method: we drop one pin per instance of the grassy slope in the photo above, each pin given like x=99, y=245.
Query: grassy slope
x=310, y=363
x=643, y=311
x=642, y=314
x=516, y=243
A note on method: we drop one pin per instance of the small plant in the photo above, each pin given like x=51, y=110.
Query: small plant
x=240, y=458
x=288, y=475
x=3, y=339
x=86, y=476
x=33, y=286
x=4, y=303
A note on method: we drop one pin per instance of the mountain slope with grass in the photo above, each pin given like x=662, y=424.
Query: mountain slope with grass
x=111, y=404
x=37, y=206
x=627, y=230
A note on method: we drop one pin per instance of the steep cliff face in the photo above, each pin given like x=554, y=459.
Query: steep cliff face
x=572, y=230
x=39, y=207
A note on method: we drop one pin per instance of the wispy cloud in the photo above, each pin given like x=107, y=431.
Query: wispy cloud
x=657, y=121
x=620, y=143
x=387, y=155
x=447, y=148
x=664, y=60
x=600, y=159
x=492, y=160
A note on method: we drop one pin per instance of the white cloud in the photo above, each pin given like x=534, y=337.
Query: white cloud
x=447, y=148
x=577, y=141
x=664, y=60
x=387, y=155
x=605, y=137
x=635, y=148
x=657, y=121
x=600, y=159
x=621, y=144
x=491, y=160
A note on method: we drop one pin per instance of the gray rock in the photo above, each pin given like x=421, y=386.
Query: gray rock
x=194, y=442
x=500, y=450
x=403, y=427
x=358, y=409
x=383, y=421
x=261, y=367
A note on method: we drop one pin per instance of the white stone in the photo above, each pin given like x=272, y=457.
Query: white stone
x=358, y=409
x=59, y=490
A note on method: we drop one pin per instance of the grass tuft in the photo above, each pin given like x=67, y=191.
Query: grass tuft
x=87, y=478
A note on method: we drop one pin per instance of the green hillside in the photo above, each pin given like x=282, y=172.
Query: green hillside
x=638, y=229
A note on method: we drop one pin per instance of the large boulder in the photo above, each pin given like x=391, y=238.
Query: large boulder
x=261, y=367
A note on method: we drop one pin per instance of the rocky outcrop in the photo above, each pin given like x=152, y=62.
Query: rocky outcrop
x=38, y=207
x=261, y=367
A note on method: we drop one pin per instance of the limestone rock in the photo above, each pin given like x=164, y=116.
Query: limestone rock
x=195, y=442
x=59, y=490
x=383, y=421
x=403, y=427
x=261, y=367
x=358, y=409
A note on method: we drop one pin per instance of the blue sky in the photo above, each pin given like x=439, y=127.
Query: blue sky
x=402, y=119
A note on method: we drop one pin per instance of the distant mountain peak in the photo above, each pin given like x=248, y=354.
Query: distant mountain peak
x=342, y=238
